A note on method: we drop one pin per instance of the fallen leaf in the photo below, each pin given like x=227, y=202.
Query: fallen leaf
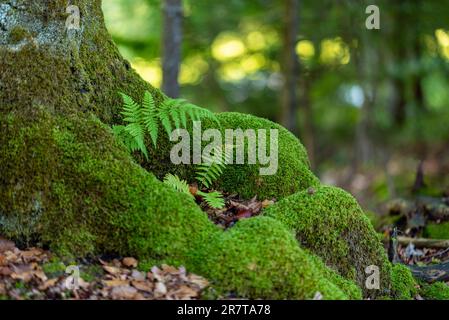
x=112, y=270
x=185, y=292
x=6, y=245
x=244, y=214
x=124, y=293
x=143, y=286
x=116, y=283
x=130, y=262
x=160, y=290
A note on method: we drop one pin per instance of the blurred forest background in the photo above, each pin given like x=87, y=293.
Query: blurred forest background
x=369, y=105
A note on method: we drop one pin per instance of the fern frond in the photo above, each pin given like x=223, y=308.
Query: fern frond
x=197, y=113
x=131, y=109
x=149, y=117
x=211, y=169
x=130, y=142
x=165, y=116
x=176, y=183
x=133, y=116
x=214, y=199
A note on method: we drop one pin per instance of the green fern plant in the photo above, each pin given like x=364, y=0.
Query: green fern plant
x=212, y=168
x=145, y=119
x=213, y=199
x=176, y=183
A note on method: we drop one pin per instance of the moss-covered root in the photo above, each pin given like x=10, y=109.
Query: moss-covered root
x=329, y=222
x=435, y=291
x=437, y=231
x=259, y=258
x=403, y=284
x=293, y=172
x=68, y=183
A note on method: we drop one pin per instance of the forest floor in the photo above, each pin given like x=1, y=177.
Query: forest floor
x=36, y=274
x=33, y=273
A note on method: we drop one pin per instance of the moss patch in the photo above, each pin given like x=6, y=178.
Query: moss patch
x=329, y=222
x=437, y=231
x=85, y=195
x=403, y=285
x=435, y=291
x=260, y=258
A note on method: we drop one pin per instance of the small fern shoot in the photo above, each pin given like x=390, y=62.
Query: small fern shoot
x=176, y=183
x=213, y=199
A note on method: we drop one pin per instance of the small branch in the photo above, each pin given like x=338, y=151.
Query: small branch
x=424, y=243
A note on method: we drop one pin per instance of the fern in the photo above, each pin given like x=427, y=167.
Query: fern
x=132, y=114
x=176, y=183
x=131, y=144
x=211, y=169
x=165, y=116
x=145, y=119
x=149, y=115
x=213, y=199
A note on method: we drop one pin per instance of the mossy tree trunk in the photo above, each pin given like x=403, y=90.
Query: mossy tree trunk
x=65, y=181
x=44, y=62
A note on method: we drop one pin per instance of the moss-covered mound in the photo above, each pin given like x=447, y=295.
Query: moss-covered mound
x=403, y=284
x=260, y=258
x=435, y=291
x=293, y=169
x=329, y=222
x=68, y=183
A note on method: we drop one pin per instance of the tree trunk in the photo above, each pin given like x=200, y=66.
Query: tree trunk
x=172, y=41
x=44, y=62
x=290, y=67
x=65, y=179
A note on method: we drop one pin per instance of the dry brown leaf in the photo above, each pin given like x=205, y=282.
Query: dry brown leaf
x=185, y=292
x=124, y=293
x=130, y=262
x=115, y=283
x=112, y=270
x=143, y=286
x=2, y=288
x=267, y=203
x=47, y=284
x=160, y=290
x=6, y=245
x=199, y=281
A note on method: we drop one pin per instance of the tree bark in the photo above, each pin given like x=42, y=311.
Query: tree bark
x=290, y=67
x=172, y=41
x=69, y=70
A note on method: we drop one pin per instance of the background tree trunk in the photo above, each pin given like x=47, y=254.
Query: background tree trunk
x=172, y=42
x=290, y=67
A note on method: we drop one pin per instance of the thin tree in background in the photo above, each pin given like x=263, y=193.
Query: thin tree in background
x=171, y=46
x=290, y=66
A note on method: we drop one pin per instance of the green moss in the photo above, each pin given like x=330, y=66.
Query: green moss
x=403, y=285
x=86, y=195
x=54, y=268
x=437, y=231
x=329, y=222
x=293, y=172
x=435, y=291
x=260, y=258
x=17, y=34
